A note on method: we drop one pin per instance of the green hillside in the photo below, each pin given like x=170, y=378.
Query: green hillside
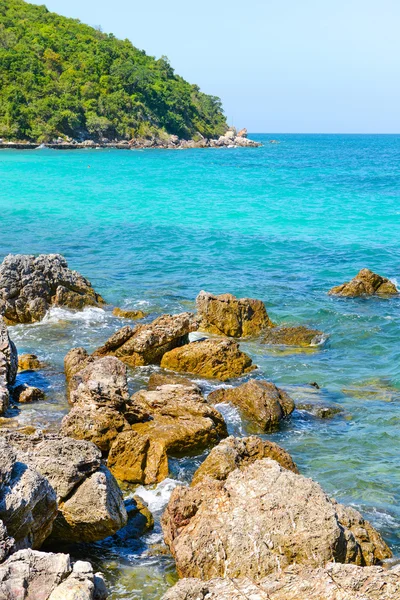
x=61, y=77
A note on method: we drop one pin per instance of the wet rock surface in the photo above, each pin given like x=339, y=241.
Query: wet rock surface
x=29, y=574
x=261, y=517
x=261, y=402
x=333, y=582
x=29, y=362
x=231, y=316
x=30, y=285
x=27, y=394
x=238, y=453
x=146, y=344
x=8, y=366
x=292, y=336
x=128, y=314
x=179, y=421
x=213, y=359
x=365, y=283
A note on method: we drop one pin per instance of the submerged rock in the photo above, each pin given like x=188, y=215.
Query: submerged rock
x=46, y=576
x=25, y=394
x=146, y=344
x=128, y=314
x=228, y=315
x=333, y=582
x=29, y=362
x=29, y=285
x=215, y=359
x=263, y=517
x=292, y=336
x=260, y=402
x=365, y=283
x=237, y=453
x=319, y=409
x=158, y=379
x=180, y=422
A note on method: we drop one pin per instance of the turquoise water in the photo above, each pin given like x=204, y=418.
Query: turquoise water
x=283, y=223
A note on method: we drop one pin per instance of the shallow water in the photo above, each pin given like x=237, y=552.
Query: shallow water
x=283, y=223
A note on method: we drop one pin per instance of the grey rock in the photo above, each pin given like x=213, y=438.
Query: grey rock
x=29, y=285
x=8, y=366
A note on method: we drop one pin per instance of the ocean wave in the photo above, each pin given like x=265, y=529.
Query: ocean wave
x=89, y=315
x=158, y=497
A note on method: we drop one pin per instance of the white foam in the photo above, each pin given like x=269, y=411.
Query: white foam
x=394, y=281
x=88, y=315
x=158, y=497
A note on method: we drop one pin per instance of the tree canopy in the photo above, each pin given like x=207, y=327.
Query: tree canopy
x=61, y=77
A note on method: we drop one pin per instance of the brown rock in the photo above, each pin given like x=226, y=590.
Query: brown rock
x=319, y=409
x=75, y=361
x=237, y=453
x=260, y=402
x=215, y=359
x=242, y=133
x=25, y=394
x=292, y=336
x=181, y=422
x=231, y=316
x=158, y=379
x=29, y=362
x=365, y=283
x=335, y=581
x=101, y=382
x=29, y=285
x=97, y=424
x=261, y=517
x=128, y=314
x=146, y=344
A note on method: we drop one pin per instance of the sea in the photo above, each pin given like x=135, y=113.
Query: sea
x=283, y=223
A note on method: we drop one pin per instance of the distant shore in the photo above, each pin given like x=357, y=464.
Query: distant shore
x=231, y=139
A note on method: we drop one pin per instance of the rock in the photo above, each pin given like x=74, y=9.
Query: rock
x=215, y=359
x=128, y=314
x=29, y=362
x=263, y=517
x=140, y=520
x=8, y=366
x=28, y=503
x=365, y=283
x=293, y=336
x=29, y=285
x=97, y=424
x=95, y=511
x=333, y=582
x=158, y=379
x=242, y=133
x=237, y=453
x=33, y=575
x=6, y=543
x=146, y=344
x=319, y=409
x=231, y=316
x=181, y=422
x=27, y=394
x=90, y=504
x=98, y=391
x=260, y=402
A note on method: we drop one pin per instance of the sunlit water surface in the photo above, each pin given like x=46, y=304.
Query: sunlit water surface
x=283, y=223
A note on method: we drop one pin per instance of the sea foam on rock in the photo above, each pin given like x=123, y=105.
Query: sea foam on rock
x=30, y=285
x=260, y=519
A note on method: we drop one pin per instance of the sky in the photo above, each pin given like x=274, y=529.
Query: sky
x=287, y=66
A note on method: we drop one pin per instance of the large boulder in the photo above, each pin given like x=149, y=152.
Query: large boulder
x=30, y=285
x=98, y=391
x=261, y=518
x=261, y=402
x=238, y=453
x=180, y=422
x=292, y=336
x=33, y=575
x=365, y=283
x=90, y=503
x=8, y=365
x=231, y=316
x=214, y=359
x=146, y=344
x=333, y=582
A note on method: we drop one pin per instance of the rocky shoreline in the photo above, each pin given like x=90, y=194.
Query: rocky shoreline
x=231, y=139
x=248, y=524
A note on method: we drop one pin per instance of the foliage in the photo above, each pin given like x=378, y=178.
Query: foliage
x=61, y=77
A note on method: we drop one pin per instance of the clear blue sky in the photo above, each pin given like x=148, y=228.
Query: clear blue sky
x=278, y=65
